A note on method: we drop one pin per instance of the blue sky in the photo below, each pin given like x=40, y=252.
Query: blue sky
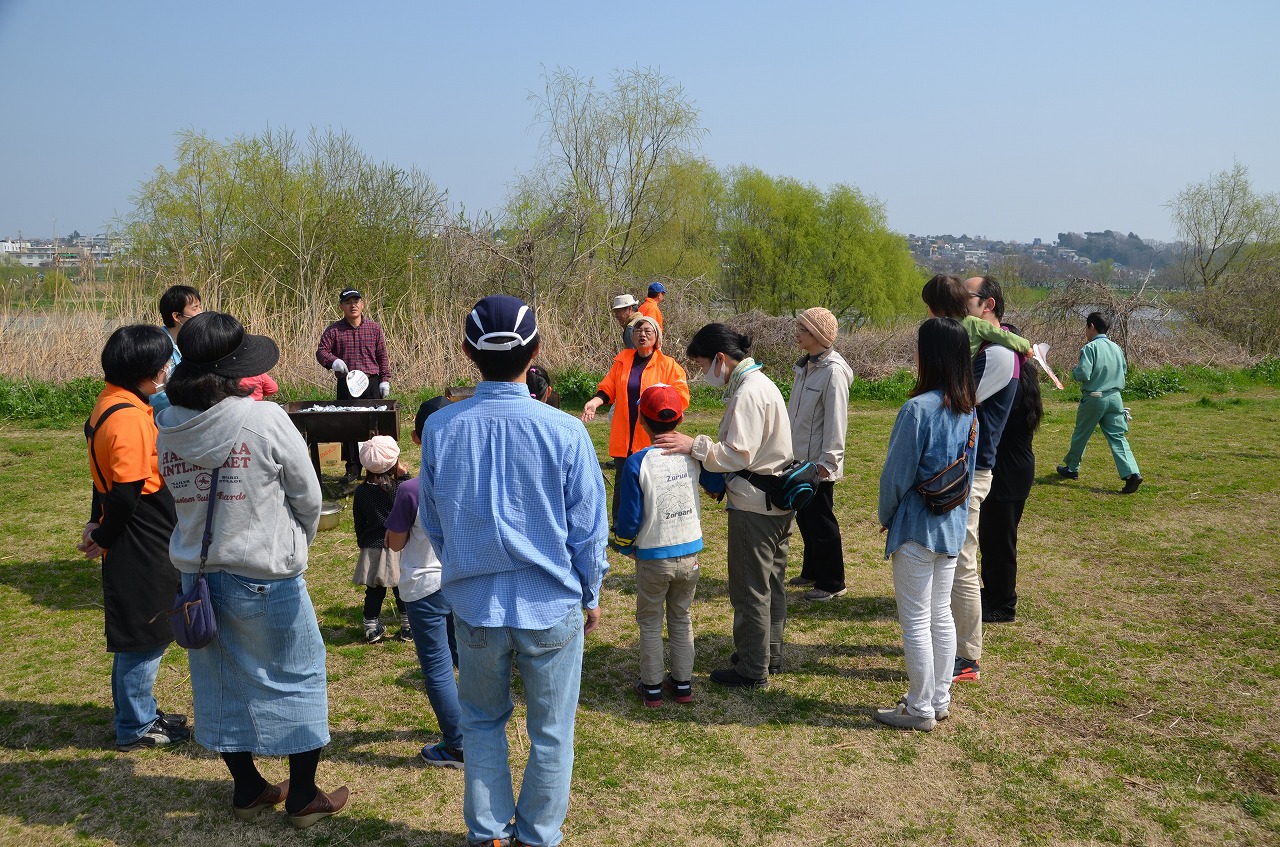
x=1008, y=120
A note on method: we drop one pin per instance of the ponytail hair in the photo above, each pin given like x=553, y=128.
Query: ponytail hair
x=718, y=338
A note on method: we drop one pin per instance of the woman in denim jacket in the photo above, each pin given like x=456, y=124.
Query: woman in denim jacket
x=931, y=431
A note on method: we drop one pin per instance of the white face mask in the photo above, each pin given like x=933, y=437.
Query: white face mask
x=713, y=376
x=168, y=369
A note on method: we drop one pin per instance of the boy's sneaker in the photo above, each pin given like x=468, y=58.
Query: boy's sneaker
x=157, y=735
x=374, y=632
x=681, y=692
x=440, y=756
x=819, y=595
x=650, y=695
x=966, y=670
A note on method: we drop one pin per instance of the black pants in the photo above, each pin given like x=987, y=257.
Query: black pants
x=351, y=449
x=374, y=595
x=823, y=551
x=998, y=544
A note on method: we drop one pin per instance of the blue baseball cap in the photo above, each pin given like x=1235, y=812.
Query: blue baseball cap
x=501, y=322
x=657, y=288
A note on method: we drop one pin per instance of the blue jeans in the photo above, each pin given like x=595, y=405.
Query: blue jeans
x=550, y=665
x=133, y=676
x=428, y=618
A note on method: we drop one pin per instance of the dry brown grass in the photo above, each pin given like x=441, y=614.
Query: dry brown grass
x=62, y=341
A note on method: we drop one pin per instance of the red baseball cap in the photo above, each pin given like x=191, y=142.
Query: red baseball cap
x=662, y=403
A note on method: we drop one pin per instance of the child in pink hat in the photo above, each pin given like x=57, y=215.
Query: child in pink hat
x=378, y=568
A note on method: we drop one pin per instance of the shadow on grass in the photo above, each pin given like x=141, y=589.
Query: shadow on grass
x=100, y=798
x=609, y=676
x=57, y=584
x=55, y=726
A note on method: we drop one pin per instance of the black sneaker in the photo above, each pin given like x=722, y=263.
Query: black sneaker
x=157, y=735
x=1067, y=473
x=650, y=695
x=681, y=692
x=966, y=670
x=773, y=668
x=733, y=679
x=171, y=719
x=1131, y=483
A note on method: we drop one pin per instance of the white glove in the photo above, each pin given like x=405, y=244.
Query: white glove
x=384, y=388
x=339, y=367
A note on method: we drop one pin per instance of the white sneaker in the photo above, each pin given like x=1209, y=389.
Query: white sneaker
x=898, y=716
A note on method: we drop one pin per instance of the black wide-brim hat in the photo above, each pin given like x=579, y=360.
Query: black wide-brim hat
x=253, y=355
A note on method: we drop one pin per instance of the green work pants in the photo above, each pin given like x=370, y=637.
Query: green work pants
x=1107, y=412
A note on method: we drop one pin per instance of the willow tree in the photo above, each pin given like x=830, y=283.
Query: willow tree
x=789, y=245
x=272, y=210
x=609, y=175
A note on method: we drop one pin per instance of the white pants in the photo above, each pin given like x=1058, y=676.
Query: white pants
x=966, y=594
x=922, y=587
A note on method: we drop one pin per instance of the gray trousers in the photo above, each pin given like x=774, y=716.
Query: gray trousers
x=757, y=588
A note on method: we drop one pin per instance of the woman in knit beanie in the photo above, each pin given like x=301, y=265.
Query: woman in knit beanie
x=819, y=413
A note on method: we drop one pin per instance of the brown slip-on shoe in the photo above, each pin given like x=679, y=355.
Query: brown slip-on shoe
x=272, y=795
x=322, y=807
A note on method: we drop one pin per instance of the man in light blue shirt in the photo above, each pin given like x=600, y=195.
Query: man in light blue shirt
x=513, y=501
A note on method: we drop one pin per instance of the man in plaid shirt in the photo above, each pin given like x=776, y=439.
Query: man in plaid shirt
x=355, y=343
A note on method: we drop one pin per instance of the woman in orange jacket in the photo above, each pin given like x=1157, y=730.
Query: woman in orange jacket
x=632, y=372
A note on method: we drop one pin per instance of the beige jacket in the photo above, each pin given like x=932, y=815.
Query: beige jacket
x=819, y=410
x=755, y=435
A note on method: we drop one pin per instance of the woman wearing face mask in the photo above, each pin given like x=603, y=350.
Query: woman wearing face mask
x=755, y=435
x=634, y=370
x=131, y=520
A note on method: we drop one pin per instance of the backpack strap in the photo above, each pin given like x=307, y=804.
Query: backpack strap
x=88, y=436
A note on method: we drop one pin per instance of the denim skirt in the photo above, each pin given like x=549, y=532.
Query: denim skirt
x=260, y=686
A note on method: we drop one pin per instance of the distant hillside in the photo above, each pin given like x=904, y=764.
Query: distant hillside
x=1128, y=250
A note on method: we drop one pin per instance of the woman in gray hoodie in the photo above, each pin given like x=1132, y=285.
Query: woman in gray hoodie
x=260, y=687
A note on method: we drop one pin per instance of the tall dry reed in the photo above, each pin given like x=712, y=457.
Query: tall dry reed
x=423, y=327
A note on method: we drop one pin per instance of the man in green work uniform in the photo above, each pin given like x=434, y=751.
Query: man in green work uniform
x=1101, y=376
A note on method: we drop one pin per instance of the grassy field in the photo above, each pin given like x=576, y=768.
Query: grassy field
x=1131, y=703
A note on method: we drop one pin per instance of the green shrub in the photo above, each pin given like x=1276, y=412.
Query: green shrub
x=575, y=386
x=891, y=389
x=1266, y=372
x=1148, y=385
x=54, y=405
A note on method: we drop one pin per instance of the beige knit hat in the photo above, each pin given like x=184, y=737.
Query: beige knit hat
x=821, y=324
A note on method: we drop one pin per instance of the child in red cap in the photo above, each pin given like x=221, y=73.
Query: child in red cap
x=659, y=525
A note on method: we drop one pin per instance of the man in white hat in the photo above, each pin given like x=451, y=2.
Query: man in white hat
x=625, y=313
